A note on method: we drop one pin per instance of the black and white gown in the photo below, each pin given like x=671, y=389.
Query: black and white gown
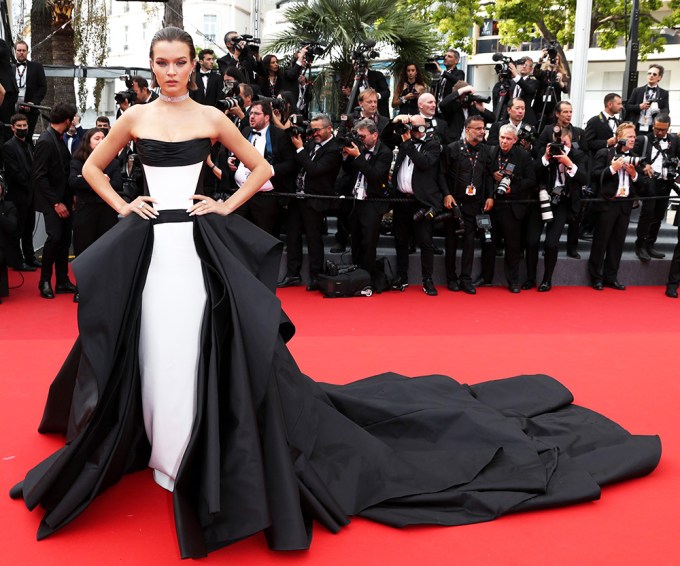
x=181, y=366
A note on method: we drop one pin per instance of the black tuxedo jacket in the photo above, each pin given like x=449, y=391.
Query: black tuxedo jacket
x=637, y=97
x=546, y=176
x=51, y=162
x=18, y=170
x=250, y=66
x=376, y=80
x=81, y=188
x=598, y=132
x=649, y=149
x=425, y=179
x=210, y=95
x=578, y=139
x=528, y=87
x=523, y=179
x=36, y=83
x=453, y=112
x=320, y=172
x=282, y=158
x=445, y=83
x=290, y=84
x=376, y=170
x=608, y=182
x=454, y=172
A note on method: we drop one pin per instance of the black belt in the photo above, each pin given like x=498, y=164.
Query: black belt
x=174, y=215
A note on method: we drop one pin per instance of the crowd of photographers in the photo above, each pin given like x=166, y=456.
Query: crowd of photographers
x=512, y=178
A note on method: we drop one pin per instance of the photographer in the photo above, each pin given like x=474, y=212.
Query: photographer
x=410, y=86
x=366, y=166
x=369, y=79
x=243, y=52
x=437, y=127
x=647, y=101
x=319, y=160
x=465, y=178
x=513, y=176
x=32, y=85
x=143, y=95
x=271, y=80
x=238, y=98
x=661, y=153
x=416, y=178
x=601, y=129
x=562, y=171
x=620, y=179
x=553, y=80
x=449, y=77
x=295, y=81
x=208, y=79
x=124, y=99
x=515, y=81
x=525, y=132
x=275, y=146
x=461, y=104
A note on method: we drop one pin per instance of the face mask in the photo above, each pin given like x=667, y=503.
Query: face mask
x=21, y=134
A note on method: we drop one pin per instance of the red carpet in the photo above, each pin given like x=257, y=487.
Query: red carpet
x=616, y=351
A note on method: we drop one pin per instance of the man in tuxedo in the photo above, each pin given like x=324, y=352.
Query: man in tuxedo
x=376, y=81
x=619, y=183
x=241, y=56
x=54, y=199
x=208, y=80
x=523, y=85
x=141, y=88
x=427, y=107
x=601, y=129
x=366, y=171
x=647, y=101
x=32, y=85
x=449, y=77
x=465, y=178
x=73, y=135
x=320, y=160
x=275, y=146
x=295, y=82
x=17, y=155
x=658, y=147
x=415, y=176
x=457, y=107
x=516, y=113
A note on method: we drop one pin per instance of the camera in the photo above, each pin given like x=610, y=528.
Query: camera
x=129, y=96
x=252, y=43
x=231, y=102
x=432, y=214
x=364, y=52
x=504, y=184
x=669, y=167
x=314, y=49
x=556, y=147
x=275, y=103
x=299, y=127
x=558, y=192
x=483, y=222
x=526, y=133
x=502, y=67
x=552, y=52
x=400, y=128
x=544, y=202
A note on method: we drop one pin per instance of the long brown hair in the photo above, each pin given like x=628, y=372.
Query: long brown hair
x=84, y=150
x=175, y=34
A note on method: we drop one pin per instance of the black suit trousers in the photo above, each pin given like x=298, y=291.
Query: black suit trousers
x=510, y=228
x=609, y=237
x=365, y=221
x=55, y=251
x=303, y=219
x=652, y=214
x=404, y=226
x=470, y=210
x=263, y=211
x=90, y=221
x=674, y=272
x=23, y=241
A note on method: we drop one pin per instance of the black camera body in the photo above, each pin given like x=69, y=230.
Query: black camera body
x=364, y=53
x=314, y=49
x=252, y=46
x=507, y=172
x=128, y=95
x=526, y=133
x=299, y=127
x=502, y=68
x=552, y=52
x=669, y=167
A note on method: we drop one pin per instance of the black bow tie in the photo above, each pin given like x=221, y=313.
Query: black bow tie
x=257, y=133
x=651, y=88
x=205, y=73
x=21, y=64
x=612, y=119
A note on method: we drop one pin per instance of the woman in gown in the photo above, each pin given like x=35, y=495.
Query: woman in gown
x=182, y=366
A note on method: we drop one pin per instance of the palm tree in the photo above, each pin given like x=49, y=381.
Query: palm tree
x=341, y=25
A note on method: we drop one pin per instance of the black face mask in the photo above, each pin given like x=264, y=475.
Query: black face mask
x=21, y=134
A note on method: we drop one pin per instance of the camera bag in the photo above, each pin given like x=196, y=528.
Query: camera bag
x=356, y=283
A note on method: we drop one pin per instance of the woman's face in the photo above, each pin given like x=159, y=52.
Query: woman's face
x=96, y=139
x=172, y=65
x=411, y=73
x=274, y=65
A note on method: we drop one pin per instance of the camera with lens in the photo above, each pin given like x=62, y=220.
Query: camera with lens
x=557, y=194
x=252, y=46
x=502, y=68
x=400, y=128
x=432, y=214
x=314, y=49
x=504, y=184
x=552, y=52
x=275, y=103
x=669, y=167
x=299, y=127
x=129, y=96
x=557, y=146
x=364, y=52
x=526, y=133
x=230, y=102
x=470, y=99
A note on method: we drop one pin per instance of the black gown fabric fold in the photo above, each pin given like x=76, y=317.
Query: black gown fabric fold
x=272, y=450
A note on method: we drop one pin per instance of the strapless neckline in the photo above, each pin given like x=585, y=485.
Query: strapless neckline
x=162, y=153
x=172, y=142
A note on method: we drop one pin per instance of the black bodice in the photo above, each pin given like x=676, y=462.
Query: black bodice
x=159, y=153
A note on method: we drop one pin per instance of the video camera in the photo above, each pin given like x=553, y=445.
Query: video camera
x=252, y=46
x=502, y=68
x=314, y=49
x=129, y=94
x=364, y=53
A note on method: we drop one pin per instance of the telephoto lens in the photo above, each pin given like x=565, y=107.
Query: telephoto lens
x=544, y=201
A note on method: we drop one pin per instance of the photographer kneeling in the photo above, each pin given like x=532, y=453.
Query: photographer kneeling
x=415, y=177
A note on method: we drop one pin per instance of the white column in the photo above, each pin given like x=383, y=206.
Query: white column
x=579, y=66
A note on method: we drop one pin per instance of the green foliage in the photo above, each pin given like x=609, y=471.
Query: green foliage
x=90, y=44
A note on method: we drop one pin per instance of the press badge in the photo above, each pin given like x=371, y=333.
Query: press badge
x=470, y=190
x=622, y=192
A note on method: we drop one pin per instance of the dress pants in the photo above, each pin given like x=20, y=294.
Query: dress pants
x=674, y=272
x=404, y=226
x=609, y=237
x=553, y=233
x=55, y=251
x=510, y=229
x=23, y=242
x=303, y=219
x=469, y=211
x=263, y=211
x=365, y=226
x=532, y=227
x=90, y=221
x=652, y=213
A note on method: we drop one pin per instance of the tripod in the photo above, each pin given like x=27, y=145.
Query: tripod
x=549, y=94
x=359, y=77
x=503, y=96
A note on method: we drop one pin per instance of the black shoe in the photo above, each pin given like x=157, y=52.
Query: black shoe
x=437, y=251
x=76, y=297
x=338, y=249
x=575, y=255
x=643, y=254
x=45, y=289
x=514, y=287
x=468, y=288
x=400, y=283
x=672, y=292
x=24, y=267
x=615, y=285
x=655, y=253
x=289, y=281
x=429, y=288
x=452, y=286
x=313, y=285
x=65, y=287
x=529, y=284
x=34, y=262
x=481, y=282
x=598, y=286
x=544, y=286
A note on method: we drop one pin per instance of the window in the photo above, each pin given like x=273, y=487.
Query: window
x=210, y=26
